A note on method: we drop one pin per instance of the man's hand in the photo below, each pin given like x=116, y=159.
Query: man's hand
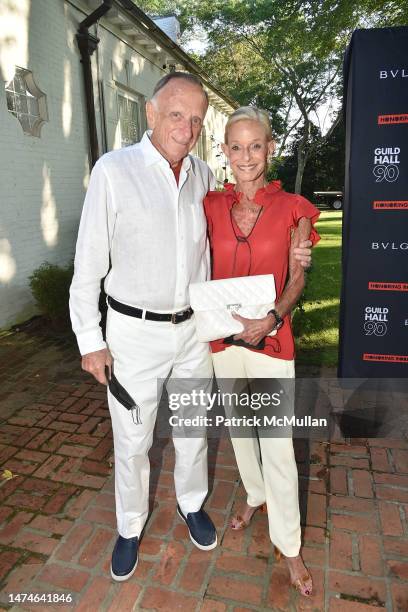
x=303, y=253
x=95, y=364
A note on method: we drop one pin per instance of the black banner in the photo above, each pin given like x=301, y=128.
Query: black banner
x=374, y=299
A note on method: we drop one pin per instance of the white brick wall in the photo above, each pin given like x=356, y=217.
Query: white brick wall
x=43, y=180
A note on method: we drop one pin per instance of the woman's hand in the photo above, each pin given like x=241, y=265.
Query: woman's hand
x=254, y=329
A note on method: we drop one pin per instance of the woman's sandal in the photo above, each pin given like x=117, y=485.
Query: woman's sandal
x=241, y=523
x=300, y=583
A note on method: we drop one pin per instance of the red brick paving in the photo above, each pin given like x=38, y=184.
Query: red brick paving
x=57, y=521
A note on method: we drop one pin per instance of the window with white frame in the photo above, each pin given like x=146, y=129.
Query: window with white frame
x=131, y=118
x=26, y=101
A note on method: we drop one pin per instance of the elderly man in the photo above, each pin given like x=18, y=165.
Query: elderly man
x=143, y=226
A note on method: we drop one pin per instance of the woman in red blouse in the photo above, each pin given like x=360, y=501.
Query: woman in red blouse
x=254, y=228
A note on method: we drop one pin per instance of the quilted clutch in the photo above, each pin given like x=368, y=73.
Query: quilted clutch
x=214, y=301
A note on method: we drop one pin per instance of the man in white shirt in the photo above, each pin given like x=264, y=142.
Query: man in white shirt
x=143, y=226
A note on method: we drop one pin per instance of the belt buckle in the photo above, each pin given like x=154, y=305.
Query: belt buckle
x=178, y=317
x=174, y=318
x=181, y=316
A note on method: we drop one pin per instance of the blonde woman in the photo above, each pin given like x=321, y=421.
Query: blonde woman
x=254, y=227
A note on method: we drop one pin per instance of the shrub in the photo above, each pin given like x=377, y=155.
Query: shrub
x=50, y=287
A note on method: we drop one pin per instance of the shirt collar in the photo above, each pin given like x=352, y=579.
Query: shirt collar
x=151, y=155
x=269, y=189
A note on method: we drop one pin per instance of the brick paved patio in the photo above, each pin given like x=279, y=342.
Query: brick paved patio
x=57, y=514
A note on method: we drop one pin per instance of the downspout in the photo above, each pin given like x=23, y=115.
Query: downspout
x=87, y=44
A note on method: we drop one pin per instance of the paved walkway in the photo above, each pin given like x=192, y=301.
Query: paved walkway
x=57, y=513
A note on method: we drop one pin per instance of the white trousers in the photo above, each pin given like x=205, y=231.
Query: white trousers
x=144, y=354
x=267, y=465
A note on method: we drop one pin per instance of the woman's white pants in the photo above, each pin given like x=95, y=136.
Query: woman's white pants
x=267, y=465
x=145, y=353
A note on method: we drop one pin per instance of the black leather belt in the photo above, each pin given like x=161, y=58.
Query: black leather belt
x=131, y=311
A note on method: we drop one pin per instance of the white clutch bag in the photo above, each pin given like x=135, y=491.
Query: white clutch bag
x=214, y=301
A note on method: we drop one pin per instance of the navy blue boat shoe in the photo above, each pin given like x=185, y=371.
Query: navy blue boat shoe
x=201, y=529
x=124, y=558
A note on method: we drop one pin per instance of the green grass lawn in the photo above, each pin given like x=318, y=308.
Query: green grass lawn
x=316, y=323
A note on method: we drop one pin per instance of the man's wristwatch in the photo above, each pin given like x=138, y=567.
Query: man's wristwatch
x=278, y=319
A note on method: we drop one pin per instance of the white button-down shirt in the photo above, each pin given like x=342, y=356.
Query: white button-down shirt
x=150, y=231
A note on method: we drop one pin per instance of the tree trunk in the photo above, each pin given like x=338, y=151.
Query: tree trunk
x=300, y=170
x=302, y=157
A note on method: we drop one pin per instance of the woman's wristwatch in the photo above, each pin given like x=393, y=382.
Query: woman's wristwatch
x=278, y=319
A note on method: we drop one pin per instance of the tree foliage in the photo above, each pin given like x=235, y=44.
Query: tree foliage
x=157, y=7
x=284, y=56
